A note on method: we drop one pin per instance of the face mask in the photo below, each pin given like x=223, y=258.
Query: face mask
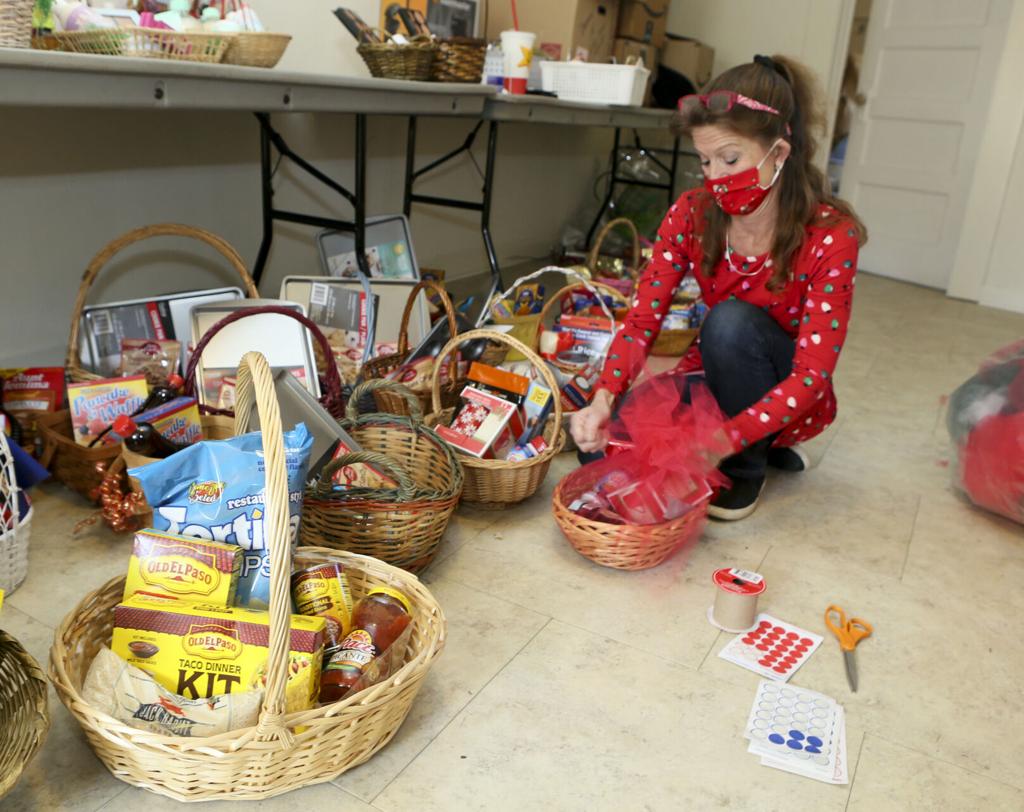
x=743, y=193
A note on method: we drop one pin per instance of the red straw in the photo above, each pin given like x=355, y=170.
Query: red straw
x=515, y=15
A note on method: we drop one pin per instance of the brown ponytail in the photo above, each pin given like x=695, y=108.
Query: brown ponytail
x=790, y=88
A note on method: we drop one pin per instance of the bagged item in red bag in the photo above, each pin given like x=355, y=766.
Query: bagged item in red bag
x=661, y=459
x=986, y=423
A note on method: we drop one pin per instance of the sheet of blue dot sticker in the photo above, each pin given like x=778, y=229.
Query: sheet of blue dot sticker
x=799, y=731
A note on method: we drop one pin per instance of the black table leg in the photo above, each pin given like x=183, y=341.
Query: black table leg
x=612, y=180
x=267, y=196
x=360, y=195
x=410, y=166
x=485, y=214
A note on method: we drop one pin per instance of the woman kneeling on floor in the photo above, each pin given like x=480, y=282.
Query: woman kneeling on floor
x=775, y=256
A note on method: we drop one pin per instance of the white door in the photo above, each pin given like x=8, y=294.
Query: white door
x=928, y=71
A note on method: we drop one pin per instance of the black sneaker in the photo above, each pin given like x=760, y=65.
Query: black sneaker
x=739, y=501
x=792, y=459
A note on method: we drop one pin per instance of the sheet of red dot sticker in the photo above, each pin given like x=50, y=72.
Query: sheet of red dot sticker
x=773, y=648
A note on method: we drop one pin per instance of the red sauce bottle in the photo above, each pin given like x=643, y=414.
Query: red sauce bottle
x=379, y=619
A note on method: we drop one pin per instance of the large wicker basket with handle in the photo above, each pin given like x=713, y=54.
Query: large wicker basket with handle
x=80, y=468
x=388, y=400
x=14, y=528
x=601, y=268
x=24, y=715
x=497, y=484
x=283, y=751
x=402, y=525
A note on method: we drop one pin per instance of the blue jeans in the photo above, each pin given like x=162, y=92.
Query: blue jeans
x=745, y=354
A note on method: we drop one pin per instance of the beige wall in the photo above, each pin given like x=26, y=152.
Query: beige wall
x=988, y=265
x=814, y=31
x=70, y=181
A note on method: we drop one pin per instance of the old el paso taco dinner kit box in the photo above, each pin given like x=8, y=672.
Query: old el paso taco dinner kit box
x=198, y=650
x=181, y=567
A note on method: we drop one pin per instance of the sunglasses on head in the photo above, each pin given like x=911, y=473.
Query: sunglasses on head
x=722, y=101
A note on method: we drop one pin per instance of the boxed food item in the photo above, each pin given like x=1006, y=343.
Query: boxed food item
x=506, y=385
x=177, y=420
x=155, y=359
x=538, y=405
x=31, y=391
x=95, y=405
x=690, y=57
x=185, y=568
x=485, y=425
x=568, y=29
x=590, y=338
x=200, y=651
x=644, y=21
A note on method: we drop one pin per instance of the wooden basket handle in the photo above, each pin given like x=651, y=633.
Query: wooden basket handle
x=593, y=288
x=332, y=397
x=222, y=246
x=595, y=250
x=376, y=385
x=324, y=488
x=449, y=312
x=255, y=389
x=509, y=341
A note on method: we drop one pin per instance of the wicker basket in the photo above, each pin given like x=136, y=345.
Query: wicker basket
x=459, y=59
x=388, y=400
x=595, y=289
x=24, y=716
x=257, y=49
x=674, y=343
x=331, y=395
x=283, y=751
x=625, y=281
x=122, y=503
x=389, y=60
x=16, y=24
x=80, y=468
x=497, y=484
x=147, y=43
x=402, y=526
x=624, y=546
x=14, y=532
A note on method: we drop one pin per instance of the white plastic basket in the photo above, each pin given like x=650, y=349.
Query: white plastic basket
x=595, y=82
x=13, y=534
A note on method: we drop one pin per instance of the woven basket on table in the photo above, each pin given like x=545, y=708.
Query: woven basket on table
x=497, y=484
x=147, y=43
x=388, y=60
x=402, y=525
x=24, y=716
x=256, y=49
x=459, y=59
x=284, y=751
x=623, y=546
x=80, y=468
x=392, y=402
x=16, y=23
x=14, y=532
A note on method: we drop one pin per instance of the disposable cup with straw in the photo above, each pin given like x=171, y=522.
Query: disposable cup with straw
x=517, y=47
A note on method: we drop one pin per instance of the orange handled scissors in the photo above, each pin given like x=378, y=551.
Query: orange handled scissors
x=850, y=633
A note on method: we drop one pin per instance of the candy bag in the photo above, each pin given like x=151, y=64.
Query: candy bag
x=986, y=424
x=214, y=490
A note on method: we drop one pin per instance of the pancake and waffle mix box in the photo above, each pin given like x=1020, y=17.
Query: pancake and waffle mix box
x=198, y=650
x=185, y=568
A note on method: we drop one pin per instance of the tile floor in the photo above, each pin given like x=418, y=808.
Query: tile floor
x=566, y=686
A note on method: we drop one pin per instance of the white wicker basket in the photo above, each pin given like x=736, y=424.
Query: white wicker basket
x=13, y=534
x=596, y=83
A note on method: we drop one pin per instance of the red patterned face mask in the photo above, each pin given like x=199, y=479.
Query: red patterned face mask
x=743, y=193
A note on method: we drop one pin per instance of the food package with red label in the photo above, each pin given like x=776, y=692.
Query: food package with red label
x=177, y=420
x=95, y=405
x=155, y=359
x=30, y=391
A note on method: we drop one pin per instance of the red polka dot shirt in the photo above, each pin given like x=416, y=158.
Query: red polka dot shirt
x=814, y=308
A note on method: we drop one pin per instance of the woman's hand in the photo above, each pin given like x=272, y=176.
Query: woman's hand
x=586, y=425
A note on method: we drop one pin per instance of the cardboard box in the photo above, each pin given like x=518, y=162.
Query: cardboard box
x=185, y=568
x=690, y=57
x=198, y=651
x=644, y=21
x=565, y=28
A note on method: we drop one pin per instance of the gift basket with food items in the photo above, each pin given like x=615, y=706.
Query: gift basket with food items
x=647, y=499
x=121, y=360
x=389, y=488
x=226, y=663
x=18, y=473
x=506, y=427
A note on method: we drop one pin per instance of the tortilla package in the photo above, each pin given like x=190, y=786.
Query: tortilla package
x=214, y=490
